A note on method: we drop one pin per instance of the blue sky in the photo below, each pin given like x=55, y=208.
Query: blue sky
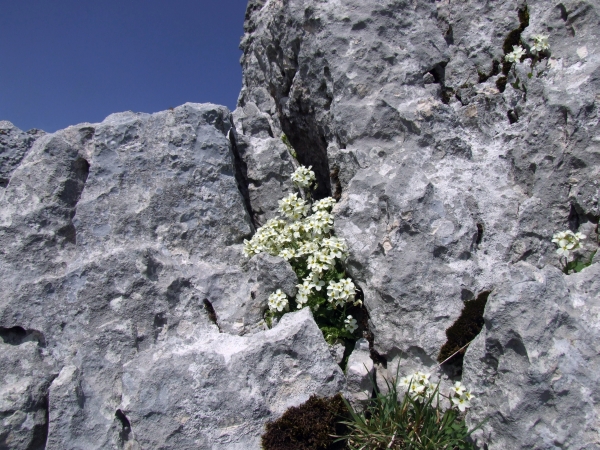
x=65, y=62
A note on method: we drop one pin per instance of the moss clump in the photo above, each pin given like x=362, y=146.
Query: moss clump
x=464, y=330
x=309, y=426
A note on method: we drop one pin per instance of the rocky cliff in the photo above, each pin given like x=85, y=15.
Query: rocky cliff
x=130, y=319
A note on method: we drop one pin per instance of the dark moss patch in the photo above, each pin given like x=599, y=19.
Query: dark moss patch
x=310, y=426
x=501, y=83
x=463, y=331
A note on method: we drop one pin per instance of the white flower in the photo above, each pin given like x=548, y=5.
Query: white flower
x=540, y=43
x=458, y=389
x=461, y=402
x=301, y=300
x=278, y=301
x=324, y=204
x=293, y=206
x=567, y=241
x=287, y=253
x=304, y=177
x=351, y=325
x=516, y=55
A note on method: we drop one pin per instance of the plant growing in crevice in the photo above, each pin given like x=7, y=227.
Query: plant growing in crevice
x=536, y=52
x=423, y=419
x=568, y=242
x=462, y=332
x=304, y=237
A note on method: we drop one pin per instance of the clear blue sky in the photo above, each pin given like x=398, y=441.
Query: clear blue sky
x=64, y=62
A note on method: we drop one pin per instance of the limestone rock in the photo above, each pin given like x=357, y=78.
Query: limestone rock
x=117, y=240
x=14, y=145
x=534, y=367
x=359, y=374
x=218, y=390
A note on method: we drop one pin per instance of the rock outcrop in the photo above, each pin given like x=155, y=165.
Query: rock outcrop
x=130, y=318
x=451, y=165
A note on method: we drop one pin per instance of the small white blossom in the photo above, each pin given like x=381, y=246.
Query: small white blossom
x=287, y=253
x=304, y=177
x=324, y=204
x=351, y=324
x=278, y=301
x=567, y=241
x=458, y=389
x=461, y=403
x=516, y=55
x=540, y=43
x=293, y=206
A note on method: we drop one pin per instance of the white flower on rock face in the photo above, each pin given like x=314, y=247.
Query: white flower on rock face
x=304, y=177
x=567, y=241
x=458, y=389
x=461, y=403
x=516, y=55
x=278, y=301
x=540, y=43
x=324, y=204
x=351, y=324
x=293, y=206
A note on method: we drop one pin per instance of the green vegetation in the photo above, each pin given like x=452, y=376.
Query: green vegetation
x=417, y=422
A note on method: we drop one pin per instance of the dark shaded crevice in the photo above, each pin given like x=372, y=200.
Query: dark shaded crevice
x=160, y=322
x=512, y=116
x=311, y=149
x=462, y=332
x=241, y=175
x=71, y=194
x=19, y=335
x=479, y=236
x=514, y=37
x=574, y=218
x=212, y=314
x=125, y=431
x=39, y=435
x=334, y=176
x=483, y=77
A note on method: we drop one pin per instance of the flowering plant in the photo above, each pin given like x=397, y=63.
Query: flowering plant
x=303, y=236
x=567, y=242
x=416, y=421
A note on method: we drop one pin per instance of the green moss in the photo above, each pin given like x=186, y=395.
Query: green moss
x=309, y=426
x=464, y=330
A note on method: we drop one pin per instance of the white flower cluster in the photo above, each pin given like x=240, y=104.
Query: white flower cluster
x=460, y=397
x=304, y=177
x=305, y=239
x=540, y=43
x=341, y=292
x=351, y=324
x=419, y=387
x=516, y=55
x=293, y=207
x=567, y=241
x=278, y=301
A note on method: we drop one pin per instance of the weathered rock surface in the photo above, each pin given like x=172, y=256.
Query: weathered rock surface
x=534, y=367
x=120, y=266
x=450, y=166
x=217, y=391
x=14, y=145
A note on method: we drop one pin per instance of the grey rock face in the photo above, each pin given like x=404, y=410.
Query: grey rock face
x=14, y=145
x=450, y=165
x=121, y=242
x=534, y=365
x=217, y=390
x=360, y=374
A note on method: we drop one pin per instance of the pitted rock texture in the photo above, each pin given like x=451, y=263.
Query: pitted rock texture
x=121, y=255
x=14, y=145
x=450, y=165
x=438, y=188
x=534, y=365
